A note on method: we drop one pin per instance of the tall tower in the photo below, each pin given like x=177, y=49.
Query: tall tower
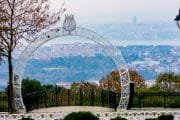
x=134, y=20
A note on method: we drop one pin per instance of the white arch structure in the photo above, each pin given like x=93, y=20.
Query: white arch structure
x=69, y=29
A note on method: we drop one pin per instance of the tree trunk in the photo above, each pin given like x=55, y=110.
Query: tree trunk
x=10, y=85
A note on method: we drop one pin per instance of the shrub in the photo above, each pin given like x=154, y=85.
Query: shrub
x=119, y=118
x=163, y=117
x=166, y=117
x=23, y=118
x=81, y=116
x=151, y=119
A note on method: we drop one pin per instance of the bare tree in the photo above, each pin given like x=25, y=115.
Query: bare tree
x=2, y=19
x=1, y=52
x=24, y=19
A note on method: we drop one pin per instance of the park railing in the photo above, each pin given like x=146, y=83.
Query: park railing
x=67, y=97
x=159, y=99
x=3, y=103
x=92, y=97
x=98, y=97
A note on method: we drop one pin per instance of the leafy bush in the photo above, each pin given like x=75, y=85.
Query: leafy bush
x=152, y=119
x=81, y=116
x=23, y=118
x=166, y=117
x=119, y=118
x=30, y=86
x=163, y=117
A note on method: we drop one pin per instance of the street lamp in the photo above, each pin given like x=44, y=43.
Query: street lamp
x=177, y=20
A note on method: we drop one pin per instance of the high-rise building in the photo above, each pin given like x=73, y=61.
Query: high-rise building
x=134, y=20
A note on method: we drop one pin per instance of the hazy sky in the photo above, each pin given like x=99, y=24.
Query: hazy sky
x=120, y=11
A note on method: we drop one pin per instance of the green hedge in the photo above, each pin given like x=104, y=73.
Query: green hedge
x=151, y=119
x=81, y=116
x=163, y=117
x=119, y=118
x=166, y=117
x=23, y=118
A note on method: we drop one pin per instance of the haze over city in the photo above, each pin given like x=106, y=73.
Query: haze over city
x=120, y=11
x=114, y=20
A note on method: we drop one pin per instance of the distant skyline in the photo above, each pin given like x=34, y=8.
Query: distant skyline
x=120, y=11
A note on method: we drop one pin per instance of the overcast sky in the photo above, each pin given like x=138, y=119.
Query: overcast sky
x=120, y=11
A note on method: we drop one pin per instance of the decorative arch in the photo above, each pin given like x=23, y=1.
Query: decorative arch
x=69, y=29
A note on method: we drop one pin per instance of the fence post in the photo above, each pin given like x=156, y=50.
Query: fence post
x=25, y=102
x=110, y=98
x=56, y=89
x=164, y=95
x=45, y=99
x=29, y=99
x=81, y=97
x=37, y=101
x=9, y=109
x=68, y=97
x=102, y=98
x=92, y=97
x=114, y=100
x=139, y=96
x=131, y=84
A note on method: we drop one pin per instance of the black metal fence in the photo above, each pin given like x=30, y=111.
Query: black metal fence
x=66, y=97
x=92, y=97
x=165, y=100
x=3, y=103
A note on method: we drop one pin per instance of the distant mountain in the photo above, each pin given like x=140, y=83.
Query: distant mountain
x=68, y=69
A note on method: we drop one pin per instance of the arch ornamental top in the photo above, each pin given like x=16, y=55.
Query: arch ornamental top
x=70, y=29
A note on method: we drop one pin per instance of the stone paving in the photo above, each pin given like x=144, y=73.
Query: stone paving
x=103, y=113
x=73, y=109
x=96, y=109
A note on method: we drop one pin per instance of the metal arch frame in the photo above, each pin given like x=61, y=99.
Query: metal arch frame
x=177, y=20
x=82, y=32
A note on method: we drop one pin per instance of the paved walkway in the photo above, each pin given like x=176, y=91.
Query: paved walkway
x=94, y=109
x=73, y=109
